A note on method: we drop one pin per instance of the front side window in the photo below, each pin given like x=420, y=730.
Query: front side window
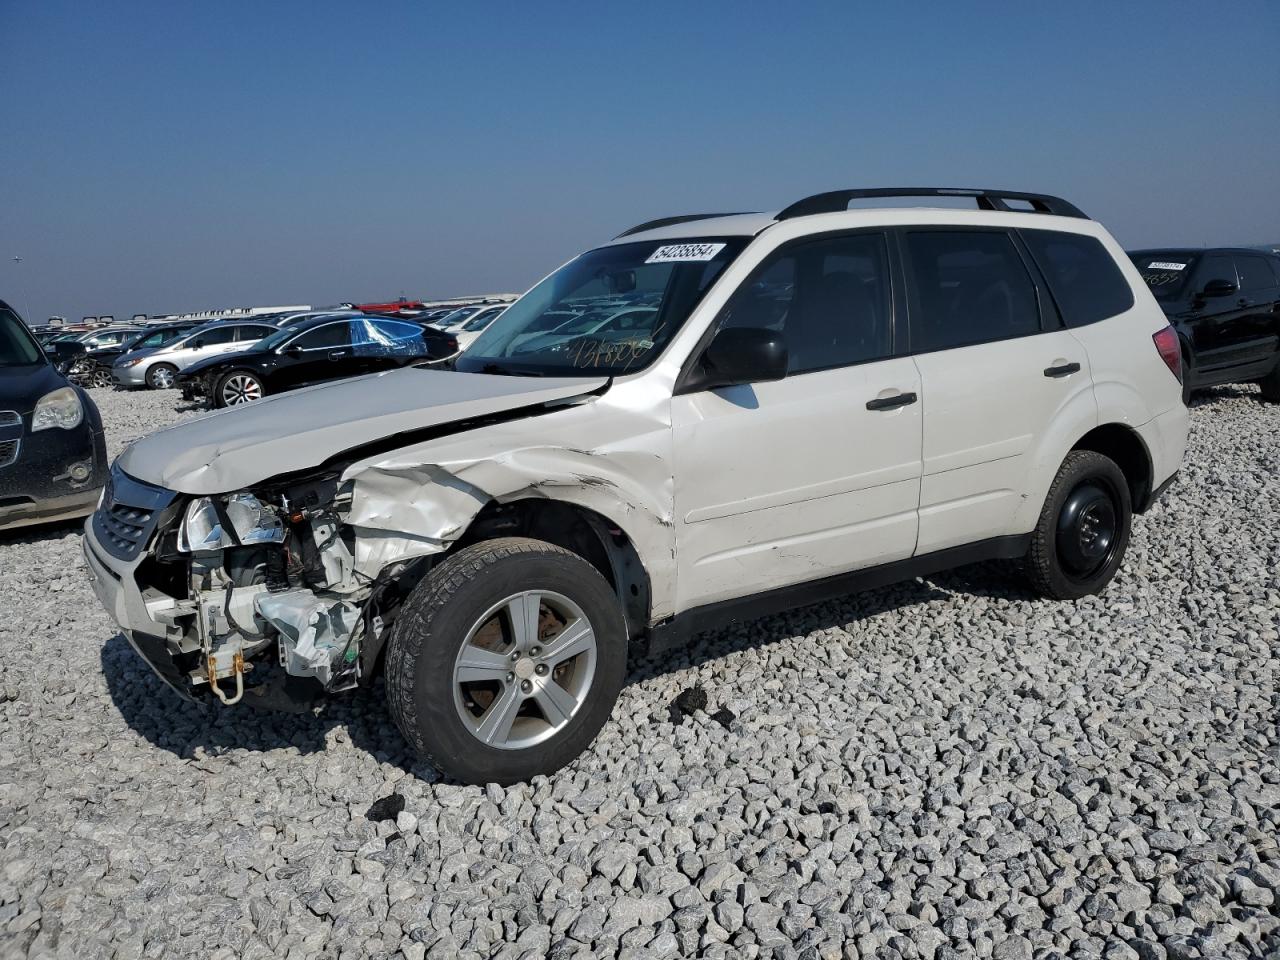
x=1255, y=274
x=17, y=349
x=609, y=311
x=325, y=337
x=829, y=298
x=1216, y=267
x=970, y=287
x=212, y=337
x=1084, y=280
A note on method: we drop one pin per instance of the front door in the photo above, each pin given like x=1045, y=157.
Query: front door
x=321, y=353
x=816, y=474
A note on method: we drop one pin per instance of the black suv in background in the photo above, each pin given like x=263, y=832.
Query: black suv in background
x=1224, y=303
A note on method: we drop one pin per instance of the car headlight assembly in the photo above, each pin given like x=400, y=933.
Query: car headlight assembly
x=238, y=520
x=61, y=408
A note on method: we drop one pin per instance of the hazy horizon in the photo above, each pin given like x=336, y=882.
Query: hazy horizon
x=162, y=159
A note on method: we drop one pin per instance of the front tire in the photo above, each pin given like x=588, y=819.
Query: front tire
x=1079, y=542
x=162, y=376
x=506, y=661
x=237, y=387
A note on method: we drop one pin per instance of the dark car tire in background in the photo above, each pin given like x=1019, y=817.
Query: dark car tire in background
x=457, y=624
x=237, y=387
x=1270, y=385
x=161, y=376
x=1079, y=542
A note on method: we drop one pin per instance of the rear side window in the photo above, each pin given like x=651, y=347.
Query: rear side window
x=829, y=298
x=254, y=332
x=1084, y=280
x=970, y=287
x=1255, y=273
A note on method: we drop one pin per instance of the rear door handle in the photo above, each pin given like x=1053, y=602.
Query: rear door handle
x=1062, y=370
x=891, y=403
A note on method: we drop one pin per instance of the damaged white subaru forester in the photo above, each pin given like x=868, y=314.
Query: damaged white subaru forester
x=707, y=419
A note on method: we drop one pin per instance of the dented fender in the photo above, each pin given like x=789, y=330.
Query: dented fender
x=608, y=453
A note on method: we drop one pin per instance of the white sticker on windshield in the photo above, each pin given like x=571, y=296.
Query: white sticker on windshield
x=685, y=252
x=1165, y=265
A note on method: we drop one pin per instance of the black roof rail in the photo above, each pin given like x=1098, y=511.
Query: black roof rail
x=670, y=222
x=837, y=201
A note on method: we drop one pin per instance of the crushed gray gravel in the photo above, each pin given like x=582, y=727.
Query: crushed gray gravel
x=940, y=769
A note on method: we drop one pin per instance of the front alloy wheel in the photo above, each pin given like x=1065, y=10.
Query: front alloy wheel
x=506, y=660
x=240, y=387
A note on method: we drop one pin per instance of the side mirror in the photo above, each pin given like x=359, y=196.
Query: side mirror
x=1218, y=288
x=741, y=355
x=292, y=350
x=195, y=344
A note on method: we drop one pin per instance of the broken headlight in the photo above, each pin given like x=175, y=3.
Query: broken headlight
x=240, y=519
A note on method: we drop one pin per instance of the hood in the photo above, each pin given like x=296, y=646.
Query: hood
x=22, y=386
x=242, y=446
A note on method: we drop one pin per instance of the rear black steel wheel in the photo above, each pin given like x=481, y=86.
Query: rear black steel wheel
x=1083, y=531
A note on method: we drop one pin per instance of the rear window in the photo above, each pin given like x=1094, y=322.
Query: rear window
x=1166, y=272
x=1084, y=280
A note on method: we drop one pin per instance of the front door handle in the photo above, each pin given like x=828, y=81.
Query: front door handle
x=1062, y=370
x=338, y=354
x=891, y=403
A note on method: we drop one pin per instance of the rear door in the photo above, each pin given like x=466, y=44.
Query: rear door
x=996, y=369
x=816, y=474
x=1259, y=301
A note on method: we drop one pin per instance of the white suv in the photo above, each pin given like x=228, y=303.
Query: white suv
x=818, y=400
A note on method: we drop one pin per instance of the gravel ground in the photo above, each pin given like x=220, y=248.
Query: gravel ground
x=945, y=768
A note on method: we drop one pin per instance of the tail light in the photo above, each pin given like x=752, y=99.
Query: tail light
x=1166, y=342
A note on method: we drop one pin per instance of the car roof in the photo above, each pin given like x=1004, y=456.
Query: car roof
x=1194, y=251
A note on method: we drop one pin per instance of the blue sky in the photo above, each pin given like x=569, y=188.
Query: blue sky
x=173, y=156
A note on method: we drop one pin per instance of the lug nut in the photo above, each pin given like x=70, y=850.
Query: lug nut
x=515, y=655
x=541, y=670
x=534, y=651
x=526, y=685
x=510, y=677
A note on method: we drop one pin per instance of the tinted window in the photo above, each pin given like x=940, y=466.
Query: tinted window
x=254, y=332
x=970, y=288
x=1255, y=273
x=829, y=298
x=1085, y=281
x=214, y=335
x=329, y=335
x=1215, y=268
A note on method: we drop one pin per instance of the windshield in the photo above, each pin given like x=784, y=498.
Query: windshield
x=1165, y=271
x=610, y=311
x=267, y=344
x=17, y=348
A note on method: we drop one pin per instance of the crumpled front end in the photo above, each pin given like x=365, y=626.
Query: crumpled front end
x=207, y=588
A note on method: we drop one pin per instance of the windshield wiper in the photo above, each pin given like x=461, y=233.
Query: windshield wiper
x=508, y=371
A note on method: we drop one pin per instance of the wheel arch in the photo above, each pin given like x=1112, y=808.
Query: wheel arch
x=1125, y=446
x=599, y=540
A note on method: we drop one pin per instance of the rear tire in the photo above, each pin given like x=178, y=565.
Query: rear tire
x=161, y=376
x=1079, y=542
x=506, y=661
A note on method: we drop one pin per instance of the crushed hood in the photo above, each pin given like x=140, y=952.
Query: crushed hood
x=242, y=446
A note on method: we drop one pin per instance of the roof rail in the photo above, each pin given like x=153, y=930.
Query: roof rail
x=670, y=222
x=837, y=201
